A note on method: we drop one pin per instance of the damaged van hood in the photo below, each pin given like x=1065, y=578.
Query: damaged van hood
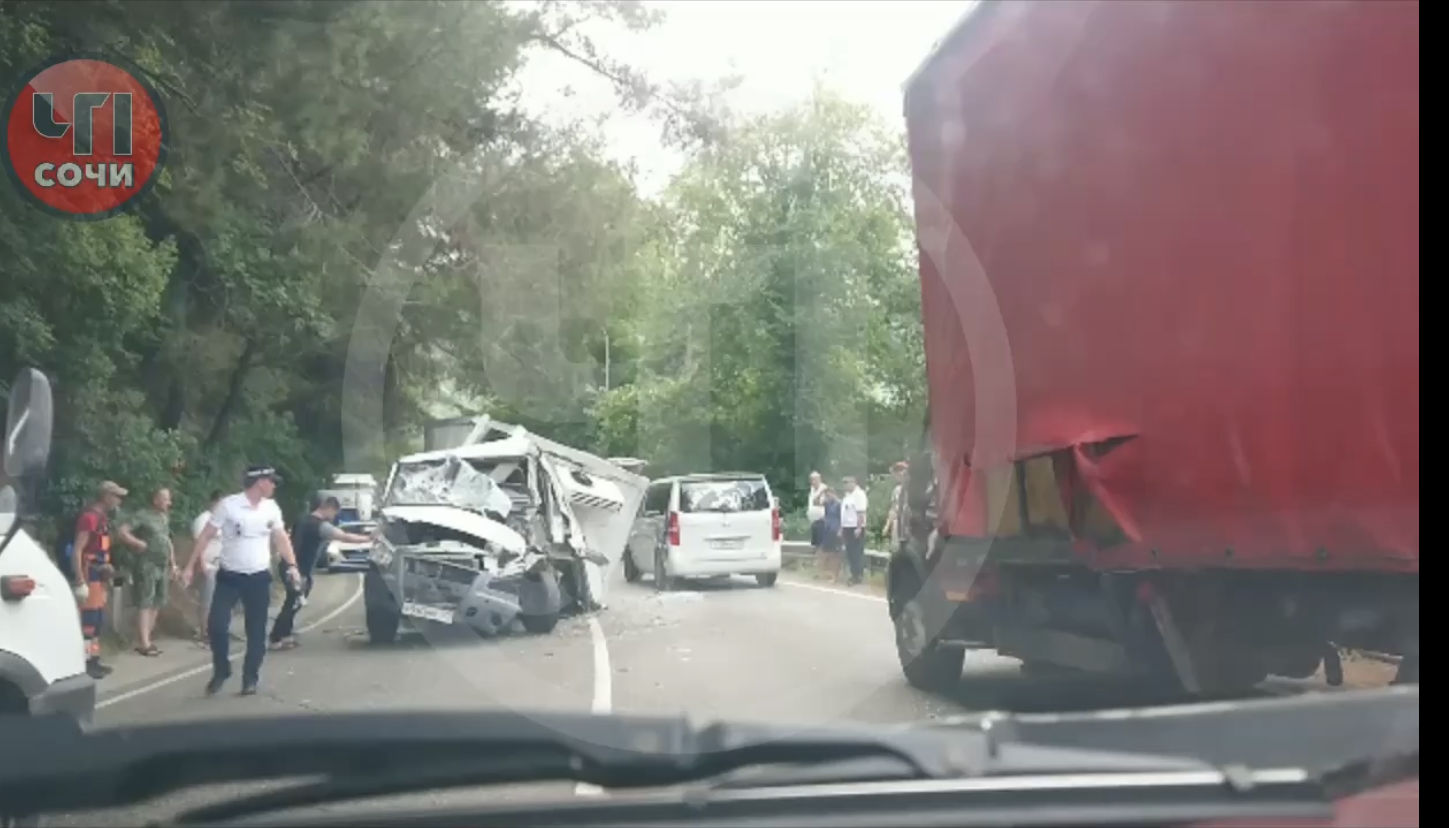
x=460, y=520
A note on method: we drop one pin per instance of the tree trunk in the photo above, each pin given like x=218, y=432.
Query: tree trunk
x=233, y=393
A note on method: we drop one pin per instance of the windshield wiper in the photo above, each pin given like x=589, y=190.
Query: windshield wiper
x=374, y=754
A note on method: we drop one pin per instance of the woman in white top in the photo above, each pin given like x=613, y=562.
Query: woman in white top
x=210, y=557
x=815, y=511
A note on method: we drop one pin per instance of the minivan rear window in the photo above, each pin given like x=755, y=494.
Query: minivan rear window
x=729, y=495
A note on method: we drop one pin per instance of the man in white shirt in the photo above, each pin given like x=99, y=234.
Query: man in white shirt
x=210, y=559
x=853, y=508
x=249, y=524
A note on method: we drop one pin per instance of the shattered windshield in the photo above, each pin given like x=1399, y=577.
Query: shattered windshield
x=724, y=496
x=448, y=482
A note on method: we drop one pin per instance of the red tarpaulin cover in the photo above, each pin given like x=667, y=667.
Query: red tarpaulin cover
x=1191, y=224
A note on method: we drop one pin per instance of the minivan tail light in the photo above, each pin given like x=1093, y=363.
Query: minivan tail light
x=775, y=523
x=673, y=528
x=15, y=587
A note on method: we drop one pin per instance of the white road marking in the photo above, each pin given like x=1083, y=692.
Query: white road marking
x=196, y=671
x=857, y=595
x=603, y=674
x=603, y=702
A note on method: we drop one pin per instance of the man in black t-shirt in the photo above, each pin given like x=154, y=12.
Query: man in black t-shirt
x=313, y=532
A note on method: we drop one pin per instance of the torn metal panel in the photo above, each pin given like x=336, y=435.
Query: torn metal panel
x=484, y=530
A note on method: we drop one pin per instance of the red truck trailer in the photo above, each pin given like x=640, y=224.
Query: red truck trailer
x=1169, y=263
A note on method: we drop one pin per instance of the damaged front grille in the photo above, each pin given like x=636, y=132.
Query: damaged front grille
x=436, y=582
x=457, y=573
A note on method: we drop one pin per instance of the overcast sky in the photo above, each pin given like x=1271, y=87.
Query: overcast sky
x=862, y=49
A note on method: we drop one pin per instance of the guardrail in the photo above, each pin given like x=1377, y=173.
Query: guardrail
x=875, y=560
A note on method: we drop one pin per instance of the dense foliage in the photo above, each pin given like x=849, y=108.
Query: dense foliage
x=358, y=228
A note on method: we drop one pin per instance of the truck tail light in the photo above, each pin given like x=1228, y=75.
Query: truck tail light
x=775, y=523
x=15, y=587
x=673, y=528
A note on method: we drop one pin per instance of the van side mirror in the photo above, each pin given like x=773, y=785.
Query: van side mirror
x=27, y=426
x=27, y=441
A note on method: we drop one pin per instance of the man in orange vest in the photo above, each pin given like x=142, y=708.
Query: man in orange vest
x=94, y=570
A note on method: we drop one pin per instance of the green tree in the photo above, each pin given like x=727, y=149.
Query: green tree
x=212, y=325
x=782, y=331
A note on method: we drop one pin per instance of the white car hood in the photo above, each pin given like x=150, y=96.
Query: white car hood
x=460, y=520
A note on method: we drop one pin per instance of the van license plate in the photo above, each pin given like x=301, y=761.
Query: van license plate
x=727, y=543
x=438, y=614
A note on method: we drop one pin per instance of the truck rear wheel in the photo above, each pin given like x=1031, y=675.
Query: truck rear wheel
x=926, y=664
x=632, y=572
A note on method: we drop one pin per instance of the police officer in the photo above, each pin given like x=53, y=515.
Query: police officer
x=249, y=524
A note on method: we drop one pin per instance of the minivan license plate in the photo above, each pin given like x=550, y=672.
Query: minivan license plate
x=438, y=614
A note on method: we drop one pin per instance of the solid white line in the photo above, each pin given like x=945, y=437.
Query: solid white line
x=196, y=671
x=858, y=595
x=603, y=675
x=603, y=702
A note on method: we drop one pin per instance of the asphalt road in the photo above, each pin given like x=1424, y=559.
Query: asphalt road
x=799, y=653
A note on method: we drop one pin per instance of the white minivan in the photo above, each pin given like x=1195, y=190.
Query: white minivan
x=704, y=526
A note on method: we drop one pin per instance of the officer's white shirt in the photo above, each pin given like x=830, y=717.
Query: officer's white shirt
x=246, y=532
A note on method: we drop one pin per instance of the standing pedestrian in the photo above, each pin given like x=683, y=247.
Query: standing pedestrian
x=210, y=559
x=94, y=570
x=830, y=533
x=249, y=523
x=152, y=564
x=314, y=531
x=893, y=517
x=815, y=512
x=853, y=509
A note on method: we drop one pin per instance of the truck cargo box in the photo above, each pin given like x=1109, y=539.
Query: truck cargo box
x=1175, y=247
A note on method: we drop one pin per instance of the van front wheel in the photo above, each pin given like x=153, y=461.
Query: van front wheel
x=383, y=613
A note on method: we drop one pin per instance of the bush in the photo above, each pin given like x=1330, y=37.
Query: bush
x=796, y=526
x=878, y=493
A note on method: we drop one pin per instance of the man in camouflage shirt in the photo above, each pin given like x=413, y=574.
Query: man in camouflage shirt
x=152, y=563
